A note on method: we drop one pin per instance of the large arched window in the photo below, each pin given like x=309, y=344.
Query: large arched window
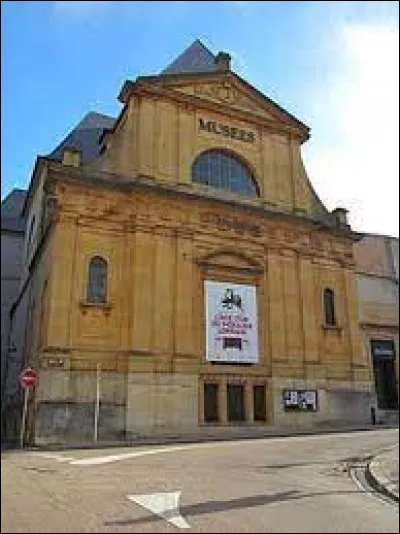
x=329, y=307
x=222, y=170
x=97, y=280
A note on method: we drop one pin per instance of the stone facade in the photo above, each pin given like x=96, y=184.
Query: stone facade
x=12, y=242
x=11, y=255
x=377, y=260
x=162, y=236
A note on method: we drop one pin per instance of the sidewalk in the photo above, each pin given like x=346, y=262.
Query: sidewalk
x=383, y=472
x=209, y=434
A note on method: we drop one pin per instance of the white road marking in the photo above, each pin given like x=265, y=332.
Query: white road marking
x=99, y=460
x=54, y=456
x=166, y=505
x=123, y=456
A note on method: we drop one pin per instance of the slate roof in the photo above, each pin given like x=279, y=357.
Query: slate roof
x=85, y=137
x=11, y=209
x=196, y=58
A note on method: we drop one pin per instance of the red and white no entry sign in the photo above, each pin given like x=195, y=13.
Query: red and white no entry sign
x=28, y=378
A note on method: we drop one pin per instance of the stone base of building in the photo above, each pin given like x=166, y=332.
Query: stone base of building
x=153, y=405
x=387, y=417
x=63, y=422
x=338, y=403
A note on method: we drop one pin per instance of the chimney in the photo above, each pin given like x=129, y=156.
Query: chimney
x=341, y=216
x=71, y=156
x=223, y=61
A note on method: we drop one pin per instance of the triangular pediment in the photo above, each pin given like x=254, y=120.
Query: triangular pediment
x=225, y=89
x=226, y=92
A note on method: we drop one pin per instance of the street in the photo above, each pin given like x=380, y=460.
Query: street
x=290, y=484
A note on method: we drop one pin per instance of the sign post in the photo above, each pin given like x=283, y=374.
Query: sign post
x=97, y=404
x=27, y=379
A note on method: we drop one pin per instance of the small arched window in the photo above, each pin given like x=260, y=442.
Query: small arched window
x=97, y=280
x=329, y=307
x=222, y=170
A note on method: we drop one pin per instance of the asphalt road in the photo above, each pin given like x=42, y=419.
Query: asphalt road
x=291, y=484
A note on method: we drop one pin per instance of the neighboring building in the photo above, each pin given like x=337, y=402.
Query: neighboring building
x=377, y=259
x=180, y=255
x=12, y=241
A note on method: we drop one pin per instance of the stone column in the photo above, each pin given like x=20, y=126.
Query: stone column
x=184, y=321
x=248, y=402
x=309, y=295
x=143, y=275
x=163, y=291
x=223, y=401
x=276, y=306
x=201, y=401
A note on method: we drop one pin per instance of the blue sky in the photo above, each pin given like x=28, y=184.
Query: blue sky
x=334, y=65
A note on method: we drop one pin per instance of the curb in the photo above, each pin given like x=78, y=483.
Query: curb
x=377, y=479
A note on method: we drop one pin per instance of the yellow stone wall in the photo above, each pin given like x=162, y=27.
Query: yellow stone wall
x=160, y=251
x=159, y=137
x=161, y=245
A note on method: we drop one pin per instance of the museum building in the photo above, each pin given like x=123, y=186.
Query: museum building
x=180, y=273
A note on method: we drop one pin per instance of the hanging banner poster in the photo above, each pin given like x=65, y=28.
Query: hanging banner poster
x=231, y=322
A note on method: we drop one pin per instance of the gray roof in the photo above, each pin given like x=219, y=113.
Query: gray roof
x=85, y=137
x=196, y=58
x=11, y=209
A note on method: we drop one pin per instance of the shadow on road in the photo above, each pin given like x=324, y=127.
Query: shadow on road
x=209, y=507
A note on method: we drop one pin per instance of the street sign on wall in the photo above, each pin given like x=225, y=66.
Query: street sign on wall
x=28, y=378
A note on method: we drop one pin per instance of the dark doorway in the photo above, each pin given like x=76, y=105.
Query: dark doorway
x=211, y=403
x=259, y=408
x=235, y=402
x=383, y=360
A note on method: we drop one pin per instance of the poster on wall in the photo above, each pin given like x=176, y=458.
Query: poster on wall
x=231, y=322
x=300, y=400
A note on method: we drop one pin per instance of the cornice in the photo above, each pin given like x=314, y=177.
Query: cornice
x=87, y=178
x=193, y=103
x=178, y=79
